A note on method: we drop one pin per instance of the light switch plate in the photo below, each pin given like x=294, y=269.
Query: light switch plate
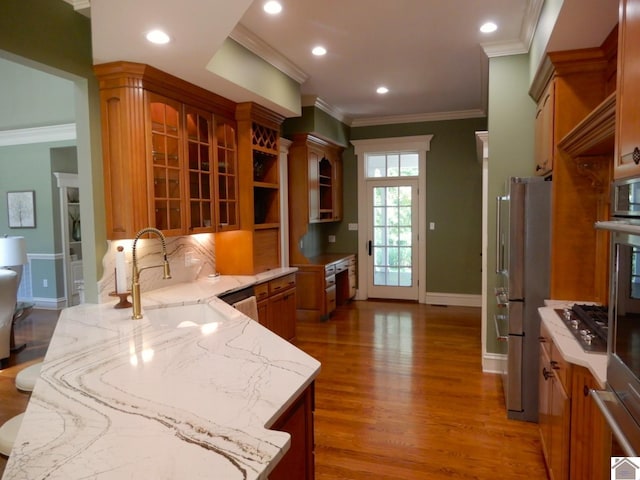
x=353, y=226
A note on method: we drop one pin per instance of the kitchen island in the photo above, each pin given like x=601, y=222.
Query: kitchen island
x=189, y=391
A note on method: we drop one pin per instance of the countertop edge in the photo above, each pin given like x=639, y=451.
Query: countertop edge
x=569, y=347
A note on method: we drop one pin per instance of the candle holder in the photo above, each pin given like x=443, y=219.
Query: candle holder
x=124, y=302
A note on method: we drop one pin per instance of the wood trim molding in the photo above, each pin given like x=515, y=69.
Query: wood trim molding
x=138, y=75
x=595, y=134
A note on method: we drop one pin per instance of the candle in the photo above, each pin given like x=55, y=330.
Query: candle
x=121, y=272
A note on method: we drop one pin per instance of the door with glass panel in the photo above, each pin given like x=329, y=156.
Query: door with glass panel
x=393, y=238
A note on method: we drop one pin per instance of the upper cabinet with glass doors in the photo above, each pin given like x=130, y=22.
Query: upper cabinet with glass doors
x=160, y=150
x=315, y=187
x=228, y=202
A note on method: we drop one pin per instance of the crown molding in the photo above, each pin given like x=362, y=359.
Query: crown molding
x=259, y=47
x=503, y=49
x=319, y=103
x=527, y=30
x=24, y=136
x=81, y=6
x=417, y=118
x=530, y=22
x=315, y=101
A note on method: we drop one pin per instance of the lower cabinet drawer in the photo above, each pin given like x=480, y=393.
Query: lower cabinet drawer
x=329, y=281
x=330, y=299
x=261, y=291
x=279, y=284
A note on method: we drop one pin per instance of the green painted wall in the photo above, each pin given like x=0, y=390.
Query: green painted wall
x=242, y=68
x=50, y=36
x=28, y=167
x=454, y=193
x=511, y=144
x=31, y=167
x=32, y=98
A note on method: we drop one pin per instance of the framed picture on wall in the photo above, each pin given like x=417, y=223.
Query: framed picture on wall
x=21, y=207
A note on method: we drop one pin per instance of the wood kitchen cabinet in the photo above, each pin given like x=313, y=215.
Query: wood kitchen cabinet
x=315, y=187
x=544, y=144
x=577, y=83
x=159, y=148
x=554, y=415
x=575, y=439
x=627, y=146
x=277, y=305
x=590, y=434
x=255, y=246
x=299, y=462
x=327, y=281
x=227, y=193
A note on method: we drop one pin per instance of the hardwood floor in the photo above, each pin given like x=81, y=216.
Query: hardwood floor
x=401, y=395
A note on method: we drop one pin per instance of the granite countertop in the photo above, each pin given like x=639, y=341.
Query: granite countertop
x=186, y=392
x=568, y=346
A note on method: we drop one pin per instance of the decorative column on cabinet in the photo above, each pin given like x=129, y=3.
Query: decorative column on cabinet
x=69, y=192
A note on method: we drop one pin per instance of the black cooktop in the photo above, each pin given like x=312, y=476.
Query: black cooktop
x=589, y=324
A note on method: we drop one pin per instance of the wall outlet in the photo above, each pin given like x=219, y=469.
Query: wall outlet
x=332, y=239
x=432, y=225
x=45, y=282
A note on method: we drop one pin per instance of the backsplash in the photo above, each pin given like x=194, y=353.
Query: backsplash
x=190, y=257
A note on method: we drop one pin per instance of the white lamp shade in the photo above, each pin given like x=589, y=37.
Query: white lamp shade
x=13, y=251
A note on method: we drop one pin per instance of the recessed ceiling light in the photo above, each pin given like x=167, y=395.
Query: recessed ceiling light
x=158, y=36
x=382, y=90
x=272, y=7
x=488, y=27
x=319, y=51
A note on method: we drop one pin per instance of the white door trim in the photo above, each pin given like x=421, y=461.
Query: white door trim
x=421, y=144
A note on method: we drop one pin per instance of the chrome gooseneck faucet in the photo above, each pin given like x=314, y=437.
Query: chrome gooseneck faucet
x=135, y=277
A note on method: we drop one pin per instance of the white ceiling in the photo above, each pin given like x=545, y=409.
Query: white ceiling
x=429, y=53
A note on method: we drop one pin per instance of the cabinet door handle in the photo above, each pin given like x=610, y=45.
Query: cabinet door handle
x=546, y=373
x=369, y=247
x=636, y=155
x=554, y=365
x=542, y=339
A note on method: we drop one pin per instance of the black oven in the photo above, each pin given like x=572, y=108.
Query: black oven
x=620, y=403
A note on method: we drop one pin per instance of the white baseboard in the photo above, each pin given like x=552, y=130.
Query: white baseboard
x=494, y=363
x=48, y=303
x=454, y=299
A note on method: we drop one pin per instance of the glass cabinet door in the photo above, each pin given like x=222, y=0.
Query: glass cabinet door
x=166, y=164
x=200, y=173
x=227, y=171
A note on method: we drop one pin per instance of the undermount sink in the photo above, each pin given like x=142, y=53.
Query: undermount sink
x=184, y=316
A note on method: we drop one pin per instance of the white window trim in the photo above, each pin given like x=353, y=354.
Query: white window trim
x=420, y=144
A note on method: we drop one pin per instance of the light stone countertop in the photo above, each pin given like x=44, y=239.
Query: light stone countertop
x=204, y=289
x=568, y=346
x=186, y=392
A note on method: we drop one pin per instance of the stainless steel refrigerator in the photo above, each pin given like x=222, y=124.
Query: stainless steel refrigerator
x=522, y=258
